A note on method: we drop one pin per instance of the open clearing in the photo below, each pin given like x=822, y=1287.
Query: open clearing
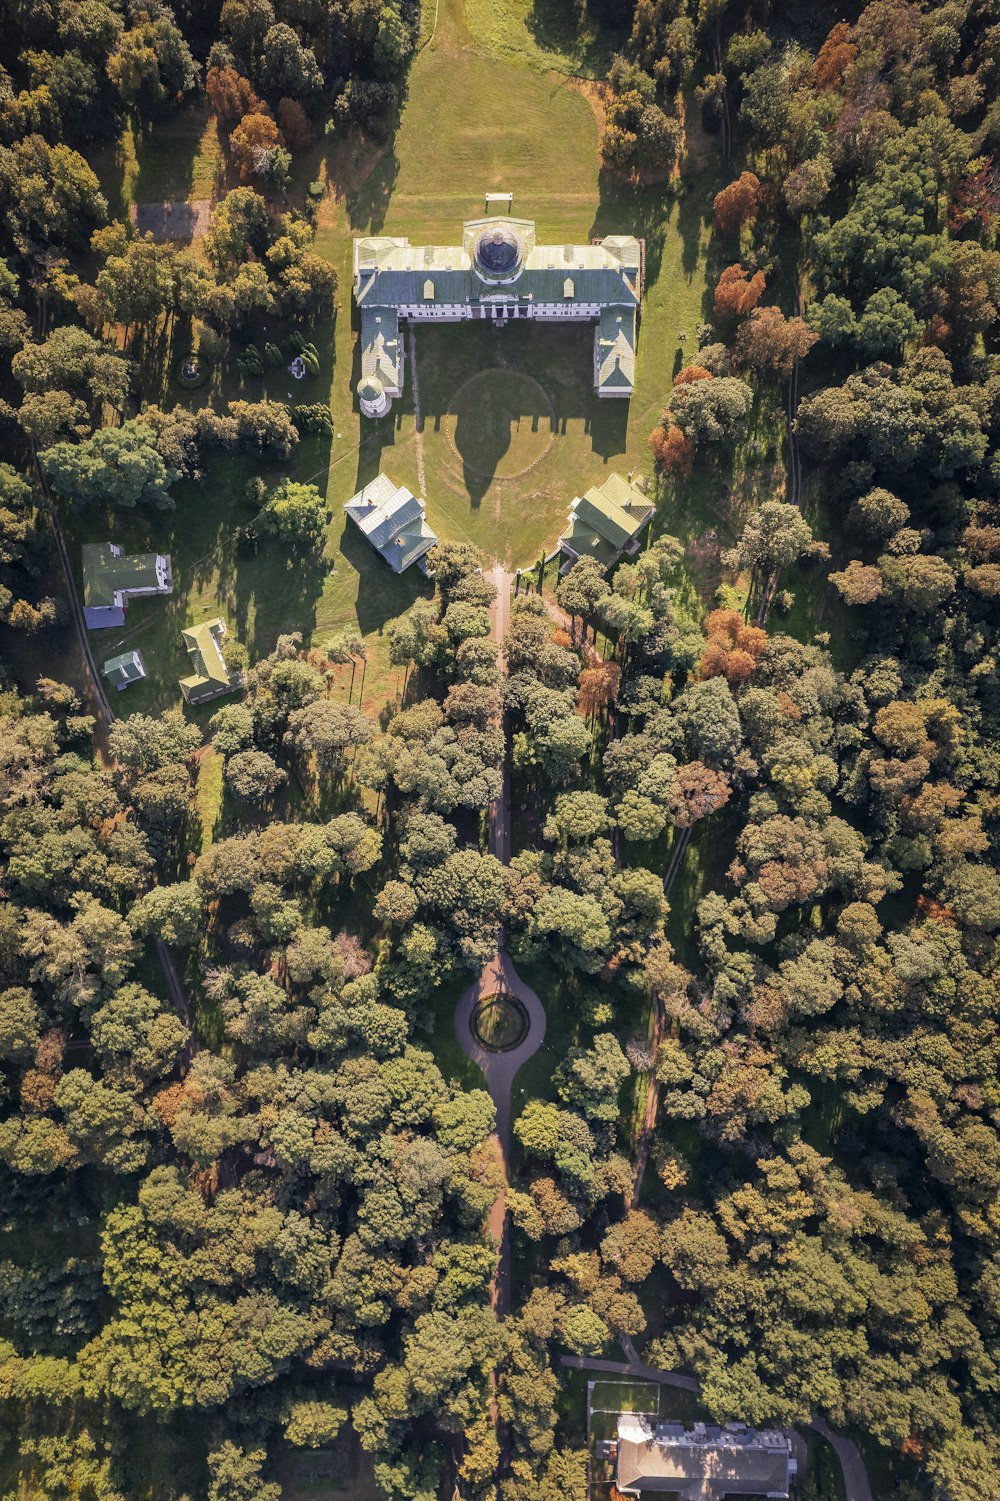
x=446, y=152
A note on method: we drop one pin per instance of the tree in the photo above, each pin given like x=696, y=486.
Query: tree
x=52, y=195
x=288, y=69
x=137, y=285
x=143, y=743
x=174, y=913
x=737, y=292
x=591, y=1078
x=920, y=583
x=326, y=729
x=696, y=792
x=672, y=450
x=252, y=144
x=774, y=537
x=312, y=1424
x=151, y=63
x=117, y=465
x=737, y=205
x=253, y=776
x=235, y=1475
x=577, y=816
x=858, y=584
x=712, y=411
x=768, y=341
x=231, y=95
x=709, y=719
x=294, y=124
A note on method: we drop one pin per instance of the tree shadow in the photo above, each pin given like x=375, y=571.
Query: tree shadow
x=555, y=28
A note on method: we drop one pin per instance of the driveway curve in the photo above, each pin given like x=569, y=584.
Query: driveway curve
x=499, y=1068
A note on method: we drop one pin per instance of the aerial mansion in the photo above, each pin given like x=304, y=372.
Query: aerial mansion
x=498, y=272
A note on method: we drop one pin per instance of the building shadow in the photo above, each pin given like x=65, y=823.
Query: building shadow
x=382, y=594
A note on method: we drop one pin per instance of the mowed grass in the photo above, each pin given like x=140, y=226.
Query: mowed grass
x=625, y=1396
x=178, y=157
x=543, y=34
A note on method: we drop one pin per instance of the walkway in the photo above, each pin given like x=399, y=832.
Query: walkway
x=856, y=1483
x=499, y=1068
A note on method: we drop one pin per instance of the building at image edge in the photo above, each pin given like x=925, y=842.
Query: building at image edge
x=498, y=273
x=701, y=1463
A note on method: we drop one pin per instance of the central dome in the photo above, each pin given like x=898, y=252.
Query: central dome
x=498, y=250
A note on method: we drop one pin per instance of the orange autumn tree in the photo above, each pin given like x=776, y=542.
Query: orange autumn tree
x=691, y=373
x=672, y=450
x=835, y=57
x=696, y=792
x=733, y=648
x=737, y=205
x=737, y=293
x=768, y=341
x=294, y=124
x=251, y=142
x=231, y=95
x=598, y=687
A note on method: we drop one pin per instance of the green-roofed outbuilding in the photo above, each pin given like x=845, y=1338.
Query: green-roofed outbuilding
x=211, y=676
x=125, y=669
x=606, y=522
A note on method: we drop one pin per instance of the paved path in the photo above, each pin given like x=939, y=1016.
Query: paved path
x=499, y=1068
x=856, y=1483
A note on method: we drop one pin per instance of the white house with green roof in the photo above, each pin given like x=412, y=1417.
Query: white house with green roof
x=605, y=523
x=500, y=273
x=211, y=676
x=394, y=521
x=122, y=670
x=111, y=577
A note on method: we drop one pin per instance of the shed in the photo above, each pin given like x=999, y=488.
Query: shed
x=124, y=669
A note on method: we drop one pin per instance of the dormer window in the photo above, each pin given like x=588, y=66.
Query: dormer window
x=428, y=290
x=569, y=290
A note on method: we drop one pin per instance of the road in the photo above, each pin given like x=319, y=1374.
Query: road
x=856, y=1483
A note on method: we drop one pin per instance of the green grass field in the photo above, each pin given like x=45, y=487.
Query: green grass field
x=625, y=1396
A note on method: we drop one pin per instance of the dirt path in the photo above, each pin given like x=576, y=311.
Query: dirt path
x=418, y=421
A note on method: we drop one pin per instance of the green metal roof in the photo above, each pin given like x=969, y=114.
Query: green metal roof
x=105, y=574
x=616, y=349
x=126, y=668
x=390, y=272
x=211, y=675
x=606, y=519
x=586, y=542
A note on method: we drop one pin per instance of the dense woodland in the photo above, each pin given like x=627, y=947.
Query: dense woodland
x=229, y=1233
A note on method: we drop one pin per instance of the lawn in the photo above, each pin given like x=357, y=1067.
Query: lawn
x=625, y=1396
